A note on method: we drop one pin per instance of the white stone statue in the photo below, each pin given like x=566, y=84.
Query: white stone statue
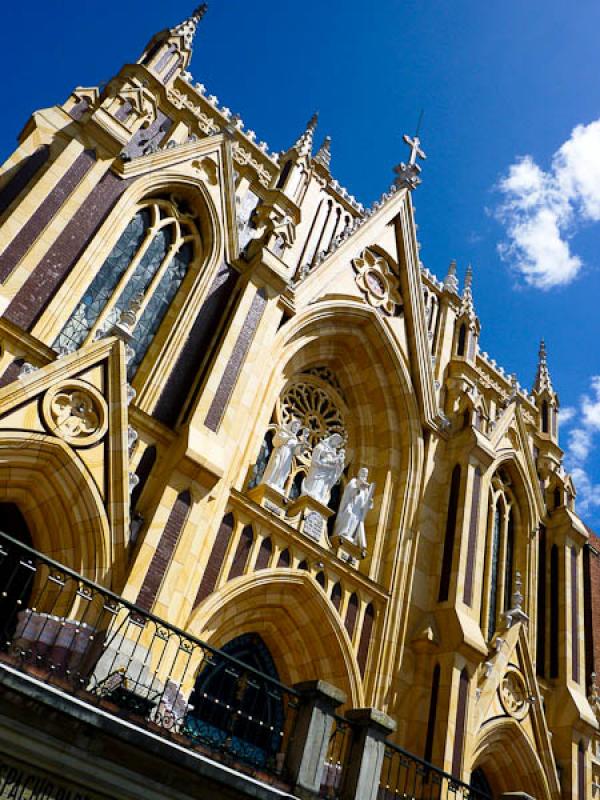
x=287, y=443
x=356, y=502
x=326, y=467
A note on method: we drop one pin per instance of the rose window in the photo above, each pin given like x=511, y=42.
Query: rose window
x=316, y=409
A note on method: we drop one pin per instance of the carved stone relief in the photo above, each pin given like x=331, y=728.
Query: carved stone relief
x=76, y=412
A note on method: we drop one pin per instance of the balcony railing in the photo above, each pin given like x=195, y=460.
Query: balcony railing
x=407, y=777
x=63, y=629
x=66, y=630
x=338, y=753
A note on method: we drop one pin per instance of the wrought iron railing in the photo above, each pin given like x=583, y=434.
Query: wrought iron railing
x=408, y=777
x=67, y=630
x=338, y=754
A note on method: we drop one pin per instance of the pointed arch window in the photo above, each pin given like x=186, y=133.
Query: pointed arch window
x=143, y=272
x=462, y=340
x=500, y=554
x=494, y=573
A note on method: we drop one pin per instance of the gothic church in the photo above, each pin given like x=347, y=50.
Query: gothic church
x=271, y=523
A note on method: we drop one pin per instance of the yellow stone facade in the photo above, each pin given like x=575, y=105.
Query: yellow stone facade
x=328, y=299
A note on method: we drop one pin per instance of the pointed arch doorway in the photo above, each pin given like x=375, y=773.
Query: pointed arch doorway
x=505, y=762
x=237, y=706
x=480, y=783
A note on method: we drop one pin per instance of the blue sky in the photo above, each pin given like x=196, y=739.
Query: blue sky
x=506, y=185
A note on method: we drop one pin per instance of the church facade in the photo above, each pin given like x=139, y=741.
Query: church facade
x=264, y=500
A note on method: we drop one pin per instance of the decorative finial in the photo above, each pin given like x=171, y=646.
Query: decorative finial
x=323, y=155
x=187, y=28
x=407, y=175
x=468, y=278
x=304, y=145
x=517, y=596
x=543, y=382
x=451, y=281
x=516, y=613
x=467, y=306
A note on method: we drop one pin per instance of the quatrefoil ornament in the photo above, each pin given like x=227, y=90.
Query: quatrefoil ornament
x=76, y=412
x=376, y=280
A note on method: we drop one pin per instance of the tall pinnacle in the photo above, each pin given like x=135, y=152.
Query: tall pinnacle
x=187, y=28
x=468, y=279
x=323, y=155
x=451, y=281
x=467, y=306
x=542, y=379
x=304, y=144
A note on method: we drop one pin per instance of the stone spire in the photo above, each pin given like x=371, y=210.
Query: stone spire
x=304, y=145
x=543, y=382
x=168, y=53
x=451, y=281
x=467, y=305
x=323, y=156
x=187, y=28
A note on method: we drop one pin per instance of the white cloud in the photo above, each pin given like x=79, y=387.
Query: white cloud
x=542, y=210
x=567, y=414
x=581, y=443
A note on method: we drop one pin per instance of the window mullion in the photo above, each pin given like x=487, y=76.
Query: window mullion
x=123, y=281
x=170, y=254
x=502, y=552
x=487, y=568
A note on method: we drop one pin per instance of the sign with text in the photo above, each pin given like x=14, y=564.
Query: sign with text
x=19, y=781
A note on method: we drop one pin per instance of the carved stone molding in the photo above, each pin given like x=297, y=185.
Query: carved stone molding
x=374, y=277
x=513, y=694
x=76, y=412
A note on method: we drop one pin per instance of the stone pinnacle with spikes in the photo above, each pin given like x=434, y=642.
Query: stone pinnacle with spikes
x=304, y=144
x=187, y=28
x=542, y=379
x=323, y=155
x=467, y=306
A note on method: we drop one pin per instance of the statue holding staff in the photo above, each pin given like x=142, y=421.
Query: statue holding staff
x=357, y=499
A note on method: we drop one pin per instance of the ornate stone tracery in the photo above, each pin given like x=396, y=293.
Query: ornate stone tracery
x=314, y=400
x=514, y=695
x=315, y=405
x=376, y=279
x=76, y=412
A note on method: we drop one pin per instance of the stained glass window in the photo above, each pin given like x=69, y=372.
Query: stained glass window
x=144, y=271
x=502, y=553
x=496, y=528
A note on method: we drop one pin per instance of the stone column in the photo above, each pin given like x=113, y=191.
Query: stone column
x=310, y=742
x=363, y=770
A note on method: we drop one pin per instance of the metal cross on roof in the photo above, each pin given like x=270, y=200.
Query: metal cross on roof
x=415, y=149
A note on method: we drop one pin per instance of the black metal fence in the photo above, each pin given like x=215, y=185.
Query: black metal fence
x=69, y=631
x=408, y=777
x=66, y=630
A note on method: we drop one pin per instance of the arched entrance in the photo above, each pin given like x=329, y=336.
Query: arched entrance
x=16, y=580
x=480, y=783
x=301, y=628
x=235, y=705
x=507, y=761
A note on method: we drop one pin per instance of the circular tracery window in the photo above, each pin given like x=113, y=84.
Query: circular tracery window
x=315, y=406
